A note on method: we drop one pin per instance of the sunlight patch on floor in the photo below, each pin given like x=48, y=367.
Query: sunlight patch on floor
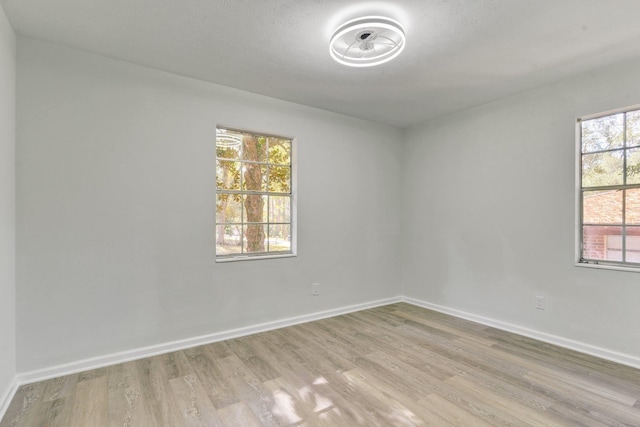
x=284, y=407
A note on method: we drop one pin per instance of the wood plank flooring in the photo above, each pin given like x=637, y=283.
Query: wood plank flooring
x=397, y=365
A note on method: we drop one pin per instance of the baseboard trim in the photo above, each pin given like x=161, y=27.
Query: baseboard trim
x=5, y=400
x=154, y=350
x=603, y=353
x=140, y=353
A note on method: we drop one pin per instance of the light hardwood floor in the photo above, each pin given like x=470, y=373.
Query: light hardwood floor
x=397, y=365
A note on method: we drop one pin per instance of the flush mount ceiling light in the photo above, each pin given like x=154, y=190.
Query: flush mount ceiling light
x=365, y=42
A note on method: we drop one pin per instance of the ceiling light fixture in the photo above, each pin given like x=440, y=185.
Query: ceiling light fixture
x=227, y=140
x=368, y=41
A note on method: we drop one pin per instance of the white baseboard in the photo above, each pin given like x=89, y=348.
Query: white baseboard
x=134, y=354
x=154, y=350
x=603, y=353
x=7, y=397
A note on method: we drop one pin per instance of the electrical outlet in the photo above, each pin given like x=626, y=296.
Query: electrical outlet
x=540, y=303
x=315, y=289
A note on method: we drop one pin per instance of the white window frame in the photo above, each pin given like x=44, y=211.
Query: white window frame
x=293, y=208
x=579, y=260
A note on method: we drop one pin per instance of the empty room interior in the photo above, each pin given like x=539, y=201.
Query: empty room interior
x=319, y=213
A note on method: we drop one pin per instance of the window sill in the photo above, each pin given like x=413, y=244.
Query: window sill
x=252, y=258
x=609, y=267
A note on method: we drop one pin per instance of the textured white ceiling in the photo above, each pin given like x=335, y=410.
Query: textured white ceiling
x=460, y=53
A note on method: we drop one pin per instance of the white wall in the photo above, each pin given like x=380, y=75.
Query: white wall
x=488, y=211
x=116, y=209
x=7, y=206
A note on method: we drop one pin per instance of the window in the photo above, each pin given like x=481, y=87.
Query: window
x=254, y=198
x=609, y=188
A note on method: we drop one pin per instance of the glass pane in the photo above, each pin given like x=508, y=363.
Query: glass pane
x=633, y=128
x=255, y=238
x=633, y=166
x=632, y=252
x=602, y=169
x=232, y=153
x=227, y=175
x=280, y=179
x=228, y=239
x=279, y=209
x=228, y=144
x=602, y=207
x=255, y=208
x=279, y=151
x=632, y=206
x=228, y=208
x=280, y=238
x=255, y=177
x=603, y=133
x=613, y=247
x=602, y=243
x=254, y=147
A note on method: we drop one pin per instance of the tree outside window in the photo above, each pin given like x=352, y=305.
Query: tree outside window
x=253, y=194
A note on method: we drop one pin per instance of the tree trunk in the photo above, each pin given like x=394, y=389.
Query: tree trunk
x=254, y=203
x=223, y=210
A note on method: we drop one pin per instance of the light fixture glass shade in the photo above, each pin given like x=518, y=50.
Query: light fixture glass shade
x=368, y=41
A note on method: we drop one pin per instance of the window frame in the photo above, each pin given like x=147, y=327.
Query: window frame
x=580, y=261
x=245, y=256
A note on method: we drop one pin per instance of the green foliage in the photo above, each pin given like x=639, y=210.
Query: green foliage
x=257, y=164
x=279, y=151
x=605, y=145
x=633, y=128
x=633, y=170
x=279, y=176
x=604, y=133
x=633, y=166
x=601, y=169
